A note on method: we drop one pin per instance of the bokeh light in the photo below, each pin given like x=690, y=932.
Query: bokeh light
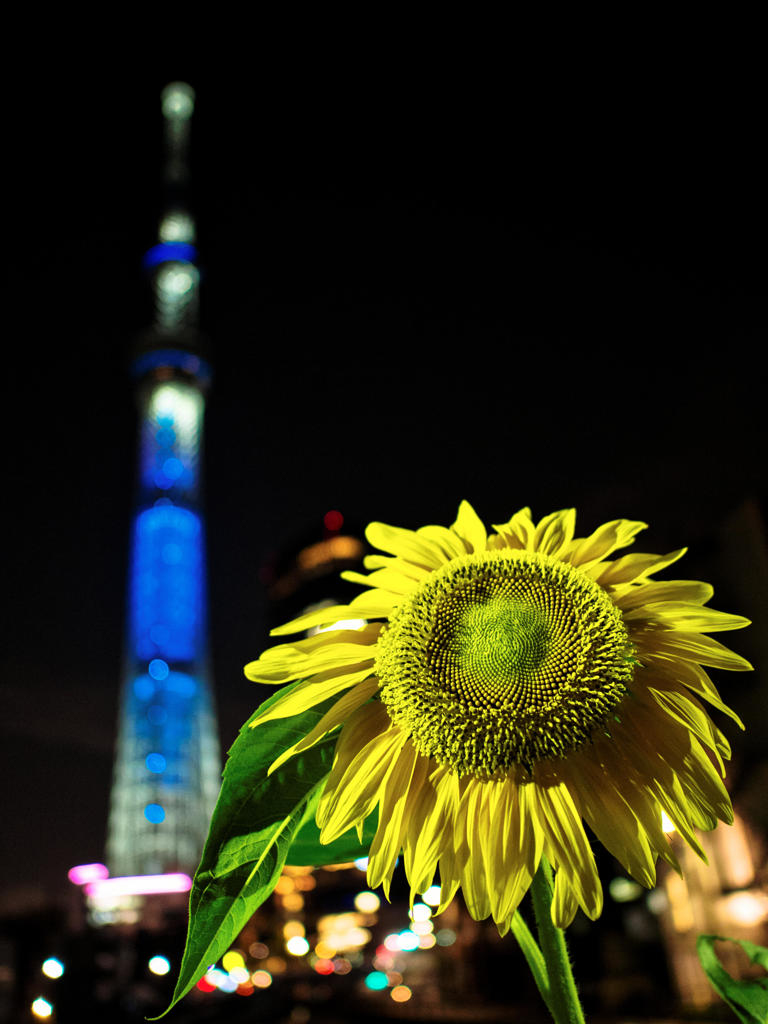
x=376, y=981
x=261, y=979
x=297, y=945
x=42, y=1008
x=420, y=912
x=154, y=813
x=432, y=896
x=401, y=993
x=52, y=968
x=333, y=520
x=231, y=959
x=624, y=889
x=408, y=940
x=367, y=902
x=159, y=965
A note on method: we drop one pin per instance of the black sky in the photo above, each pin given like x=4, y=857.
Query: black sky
x=411, y=300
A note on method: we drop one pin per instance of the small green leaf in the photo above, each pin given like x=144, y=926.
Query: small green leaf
x=748, y=999
x=255, y=820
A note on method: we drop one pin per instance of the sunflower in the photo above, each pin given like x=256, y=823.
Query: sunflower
x=507, y=689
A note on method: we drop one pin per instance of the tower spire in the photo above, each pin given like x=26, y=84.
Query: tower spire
x=167, y=765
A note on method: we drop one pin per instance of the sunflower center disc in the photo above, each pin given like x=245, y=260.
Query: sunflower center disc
x=503, y=659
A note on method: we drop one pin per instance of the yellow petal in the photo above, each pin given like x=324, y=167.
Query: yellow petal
x=613, y=820
x=619, y=533
x=356, y=792
x=554, y=532
x=310, y=692
x=388, y=840
x=691, y=591
x=334, y=717
x=693, y=647
x=451, y=545
x=519, y=531
x=693, y=677
x=405, y=544
x=470, y=528
x=390, y=580
x=686, y=616
x=560, y=820
x=631, y=567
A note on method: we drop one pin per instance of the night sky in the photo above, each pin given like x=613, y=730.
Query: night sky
x=411, y=299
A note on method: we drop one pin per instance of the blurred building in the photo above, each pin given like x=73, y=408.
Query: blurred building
x=167, y=766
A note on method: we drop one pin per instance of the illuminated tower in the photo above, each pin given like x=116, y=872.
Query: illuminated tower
x=167, y=768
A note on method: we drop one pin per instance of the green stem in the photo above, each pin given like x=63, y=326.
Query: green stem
x=534, y=956
x=564, y=1002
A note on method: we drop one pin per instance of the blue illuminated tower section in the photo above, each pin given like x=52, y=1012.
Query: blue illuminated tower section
x=167, y=768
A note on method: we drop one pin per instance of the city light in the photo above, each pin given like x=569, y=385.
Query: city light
x=138, y=885
x=52, y=968
x=82, y=873
x=333, y=520
x=261, y=979
x=624, y=889
x=367, y=902
x=233, y=958
x=746, y=909
x=420, y=912
x=297, y=945
x=376, y=981
x=401, y=993
x=432, y=896
x=42, y=1008
x=159, y=965
x=408, y=940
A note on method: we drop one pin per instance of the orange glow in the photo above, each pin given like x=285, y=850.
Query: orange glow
x=679, y=903
x=749, y=907
x=401, y=993
x=305, y=883
x=328, y=551
x=292, y=901
x=285, y=885
x=733, y=857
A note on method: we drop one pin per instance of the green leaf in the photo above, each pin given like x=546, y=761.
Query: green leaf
x=255, y=820
x=748, y=999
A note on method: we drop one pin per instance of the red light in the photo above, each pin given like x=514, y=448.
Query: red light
x=333, y=520
x=245, y=990
x=324, y=967
x=205, y=986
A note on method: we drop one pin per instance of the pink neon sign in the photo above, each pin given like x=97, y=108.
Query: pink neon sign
x=82, y=873
x=138, y=885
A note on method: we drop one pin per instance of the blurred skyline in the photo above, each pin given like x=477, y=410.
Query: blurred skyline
x=408, y=303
